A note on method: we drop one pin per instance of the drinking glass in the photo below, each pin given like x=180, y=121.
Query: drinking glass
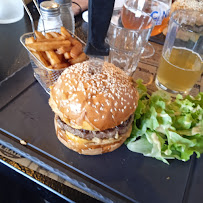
x=11, y=11
x=181, y=63
x=159, y=11
x=126, y=45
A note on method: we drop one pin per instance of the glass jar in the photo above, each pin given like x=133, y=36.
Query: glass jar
x=67, y=16
x=50, y=19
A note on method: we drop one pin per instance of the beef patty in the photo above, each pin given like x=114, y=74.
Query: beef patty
x=88, y=134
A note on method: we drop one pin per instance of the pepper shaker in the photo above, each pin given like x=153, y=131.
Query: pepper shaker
x=67, y=16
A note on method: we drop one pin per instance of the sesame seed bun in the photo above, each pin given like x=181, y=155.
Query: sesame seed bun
x=93, y=96
x=195, y=5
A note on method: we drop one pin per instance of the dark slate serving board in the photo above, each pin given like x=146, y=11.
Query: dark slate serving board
x=120, y=176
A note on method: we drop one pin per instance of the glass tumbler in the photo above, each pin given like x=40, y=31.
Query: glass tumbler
x=11, y=11
x=126, y=45
x=181, y=63
x=157, y=9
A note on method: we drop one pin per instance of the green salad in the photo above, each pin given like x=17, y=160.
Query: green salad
x=166, y=128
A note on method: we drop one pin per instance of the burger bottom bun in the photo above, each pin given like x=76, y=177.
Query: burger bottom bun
x=89, y=147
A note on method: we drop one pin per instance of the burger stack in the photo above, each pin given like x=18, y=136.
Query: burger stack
x=93, y=104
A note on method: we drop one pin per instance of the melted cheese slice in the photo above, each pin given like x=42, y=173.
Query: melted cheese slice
x=95, y=140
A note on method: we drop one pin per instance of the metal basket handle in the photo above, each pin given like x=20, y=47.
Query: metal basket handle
x=30, y=15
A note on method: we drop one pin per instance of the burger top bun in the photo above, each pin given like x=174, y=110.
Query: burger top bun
x=93, y=95
x=196, y=5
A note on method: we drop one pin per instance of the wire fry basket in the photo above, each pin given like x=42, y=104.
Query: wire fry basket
x=45, y=76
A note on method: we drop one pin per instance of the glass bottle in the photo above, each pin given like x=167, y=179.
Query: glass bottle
x=67, y=16
x=50, y=19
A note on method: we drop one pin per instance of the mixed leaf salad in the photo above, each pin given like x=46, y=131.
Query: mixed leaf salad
x=166, y=128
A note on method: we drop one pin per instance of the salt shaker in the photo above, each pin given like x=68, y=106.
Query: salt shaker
x=67, y=15
x=50, y=19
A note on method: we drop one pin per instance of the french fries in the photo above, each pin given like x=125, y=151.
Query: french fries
x=61, y=65
x=40, y=57
x=48, y=36
x=39, y=35
x=65, y=33
x=53, y=58
x=63, y=50
x=55, y=34
x=55, y=50
x=82, y=57
x=76, y=50
x=29, y=40
x=61, y=38
x=67, y=55
x=48, y=46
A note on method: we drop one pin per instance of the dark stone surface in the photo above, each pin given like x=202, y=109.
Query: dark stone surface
x=129, y=175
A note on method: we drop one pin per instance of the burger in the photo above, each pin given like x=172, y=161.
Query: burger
x=93, y=102
x=190, y=5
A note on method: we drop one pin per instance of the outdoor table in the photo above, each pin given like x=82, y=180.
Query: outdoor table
x=119, y=176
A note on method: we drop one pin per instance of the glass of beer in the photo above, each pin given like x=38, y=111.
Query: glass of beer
x=157, y=9
x=181, y=64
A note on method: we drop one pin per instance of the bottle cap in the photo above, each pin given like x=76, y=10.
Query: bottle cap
x=49, y=8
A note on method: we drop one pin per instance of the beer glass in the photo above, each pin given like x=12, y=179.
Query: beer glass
x=159, y=11
x=181, y=64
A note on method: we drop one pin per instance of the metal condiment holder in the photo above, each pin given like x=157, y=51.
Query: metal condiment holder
x=30, y=15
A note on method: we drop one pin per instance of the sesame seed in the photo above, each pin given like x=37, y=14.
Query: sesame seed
x=102, y=82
